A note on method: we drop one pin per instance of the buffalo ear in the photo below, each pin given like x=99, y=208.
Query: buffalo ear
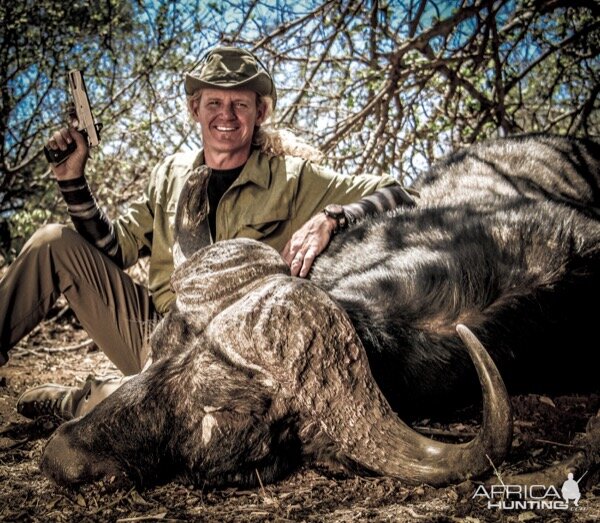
x=191, y=225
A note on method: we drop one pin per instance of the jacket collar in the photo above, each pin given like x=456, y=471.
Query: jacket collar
x=257, y=169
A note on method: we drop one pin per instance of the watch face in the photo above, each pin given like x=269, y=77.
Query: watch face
x=334, y=210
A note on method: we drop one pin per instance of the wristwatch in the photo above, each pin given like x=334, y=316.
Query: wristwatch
x=336, y=211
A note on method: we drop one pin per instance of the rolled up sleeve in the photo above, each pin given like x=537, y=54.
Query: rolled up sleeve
x=318, y=187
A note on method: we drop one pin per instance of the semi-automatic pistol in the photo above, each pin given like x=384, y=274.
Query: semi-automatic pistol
x=85, y=120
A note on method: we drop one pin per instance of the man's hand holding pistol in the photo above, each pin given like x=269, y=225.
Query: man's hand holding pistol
x=68, y=148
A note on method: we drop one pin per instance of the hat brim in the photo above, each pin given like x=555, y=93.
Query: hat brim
x=260, y=83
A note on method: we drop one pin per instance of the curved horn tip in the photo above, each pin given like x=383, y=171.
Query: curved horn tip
x=498, y=412
x=467, y=336
x=191, y=231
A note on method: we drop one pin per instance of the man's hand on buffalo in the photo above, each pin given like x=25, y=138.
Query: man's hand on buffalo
x=307, y=243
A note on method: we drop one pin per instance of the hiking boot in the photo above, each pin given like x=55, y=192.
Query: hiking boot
x=49, y=399
x=3, y=357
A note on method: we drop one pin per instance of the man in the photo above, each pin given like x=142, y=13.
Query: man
x=255, y=190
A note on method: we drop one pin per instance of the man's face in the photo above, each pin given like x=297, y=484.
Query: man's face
x=227, y=119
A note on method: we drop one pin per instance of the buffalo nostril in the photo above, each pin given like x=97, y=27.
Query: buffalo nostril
x=67, y=463
x=62, y=462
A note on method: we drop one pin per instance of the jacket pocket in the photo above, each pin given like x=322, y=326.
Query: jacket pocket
x=262, y=225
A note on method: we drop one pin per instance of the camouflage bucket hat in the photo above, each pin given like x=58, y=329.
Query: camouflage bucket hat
x=231, y=68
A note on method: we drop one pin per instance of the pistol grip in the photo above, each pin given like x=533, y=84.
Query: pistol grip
x=58, y=156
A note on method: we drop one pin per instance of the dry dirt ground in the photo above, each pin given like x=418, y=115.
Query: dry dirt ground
x=546, y=430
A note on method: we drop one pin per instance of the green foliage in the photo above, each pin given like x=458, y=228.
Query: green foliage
x=25, y=222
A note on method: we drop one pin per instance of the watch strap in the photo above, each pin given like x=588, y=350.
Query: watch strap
x=336, y=211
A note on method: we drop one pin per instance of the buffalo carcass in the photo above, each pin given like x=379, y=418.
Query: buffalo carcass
x=256, y=371
x=505, y=239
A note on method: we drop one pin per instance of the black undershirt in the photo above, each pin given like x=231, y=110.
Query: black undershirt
x=220, y=181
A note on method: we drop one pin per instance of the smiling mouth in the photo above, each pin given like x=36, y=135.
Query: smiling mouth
x=225, y=129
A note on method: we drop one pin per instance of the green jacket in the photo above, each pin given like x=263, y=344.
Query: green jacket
x=270, y=200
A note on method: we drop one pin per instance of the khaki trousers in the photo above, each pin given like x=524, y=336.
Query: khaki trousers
x=117, y=313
